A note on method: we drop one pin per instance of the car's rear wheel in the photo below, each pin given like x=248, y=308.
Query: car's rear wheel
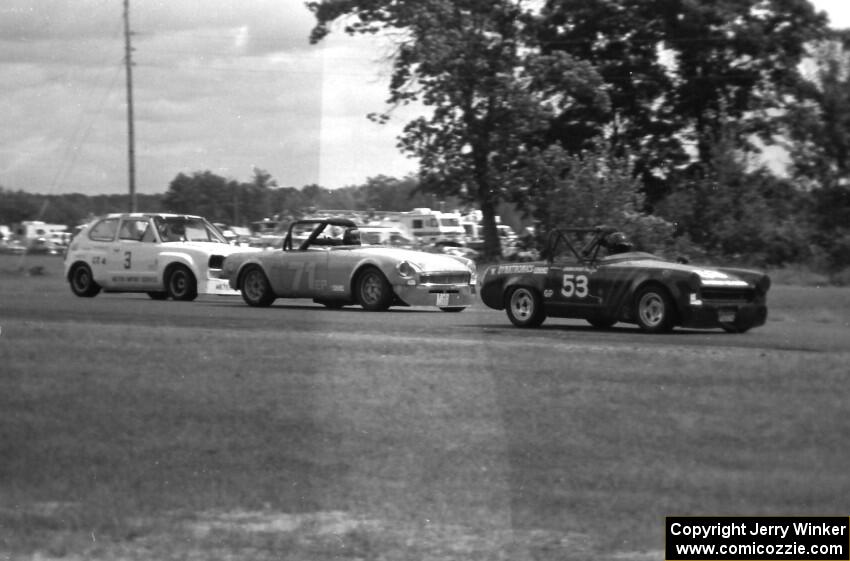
x=455, y=309
x=525, y=307
x=158, y=295
x=82, y=282
x=255, y=287
x=180, y=283
x=373, y=290
x=656, y=312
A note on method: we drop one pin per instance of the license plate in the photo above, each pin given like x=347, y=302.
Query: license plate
x=724, y=316
x=443, y=299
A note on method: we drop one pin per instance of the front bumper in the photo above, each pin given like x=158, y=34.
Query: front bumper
x=442, y=296
x=218, y=287
x=741, y=316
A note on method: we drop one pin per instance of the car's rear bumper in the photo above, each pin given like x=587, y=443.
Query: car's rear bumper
x=742, y=316
x=442, y=296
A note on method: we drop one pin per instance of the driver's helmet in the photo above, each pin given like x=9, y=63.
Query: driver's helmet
x=617, y=242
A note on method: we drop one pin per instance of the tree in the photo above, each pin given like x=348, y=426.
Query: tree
x=383, y=193
x=677, y=71
x=593, y=188
x=491, y=90
x=820, y=129
x=202, y=193
x=819, y=141
x=732, y=211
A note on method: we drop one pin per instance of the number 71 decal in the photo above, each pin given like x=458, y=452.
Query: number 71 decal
x=574, y=285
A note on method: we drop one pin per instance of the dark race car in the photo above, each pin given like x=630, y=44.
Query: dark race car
x=605, y=282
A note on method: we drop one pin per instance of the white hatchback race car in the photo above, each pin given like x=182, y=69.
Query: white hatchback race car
x=163, y=255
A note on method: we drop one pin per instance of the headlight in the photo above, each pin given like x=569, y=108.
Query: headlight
x=406, y=269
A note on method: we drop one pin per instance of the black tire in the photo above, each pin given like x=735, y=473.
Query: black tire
x=654, y=310
x=373, y=291
x=454, y=310
x=255, y=287
x=158, y=295
x=180, y=283
x=602, y=322
x=524, y=307
x=732, y=328
x=82, y=282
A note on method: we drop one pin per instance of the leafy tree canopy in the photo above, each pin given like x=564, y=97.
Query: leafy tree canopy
x=678, y=70
x=492, y=93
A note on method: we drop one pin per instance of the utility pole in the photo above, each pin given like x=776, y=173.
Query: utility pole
x=131, y=150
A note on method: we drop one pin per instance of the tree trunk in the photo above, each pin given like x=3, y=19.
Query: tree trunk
x=492, y=243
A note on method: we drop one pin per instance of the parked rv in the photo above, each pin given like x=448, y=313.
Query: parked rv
x=426, y=225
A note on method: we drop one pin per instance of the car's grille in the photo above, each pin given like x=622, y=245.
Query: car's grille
x=444, y=278
x=728, y=294
x=216, y=261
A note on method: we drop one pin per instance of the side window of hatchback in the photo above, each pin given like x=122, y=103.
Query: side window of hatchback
x=134, y=229
x=104, y=231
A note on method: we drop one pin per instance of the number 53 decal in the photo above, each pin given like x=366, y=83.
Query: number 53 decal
x=574, y=285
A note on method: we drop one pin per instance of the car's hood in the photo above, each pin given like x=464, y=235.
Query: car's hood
x=708, y=275
x=212, y=248
x=422, y=260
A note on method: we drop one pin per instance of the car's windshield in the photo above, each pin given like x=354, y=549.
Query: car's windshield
x=560, y=249
x=187, y=229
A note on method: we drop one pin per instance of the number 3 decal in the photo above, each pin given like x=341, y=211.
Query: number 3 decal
x=574, y=285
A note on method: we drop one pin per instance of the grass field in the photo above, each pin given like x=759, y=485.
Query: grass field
x=144, y=442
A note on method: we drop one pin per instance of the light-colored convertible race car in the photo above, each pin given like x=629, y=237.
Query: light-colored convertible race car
x=324, y=260
x=164, y=255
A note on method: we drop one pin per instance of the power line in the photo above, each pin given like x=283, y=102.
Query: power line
x=79, y=138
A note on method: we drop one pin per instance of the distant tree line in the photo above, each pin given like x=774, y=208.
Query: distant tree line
x=224, y=200
x=751, y=216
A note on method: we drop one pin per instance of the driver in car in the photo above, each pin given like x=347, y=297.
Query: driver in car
x=617, y=242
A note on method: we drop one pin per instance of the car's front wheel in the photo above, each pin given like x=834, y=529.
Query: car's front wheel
x=525, y=307
x=180, y=283
x=373, y=290
x=255, y=287
x=82, y=282
x=655, y=310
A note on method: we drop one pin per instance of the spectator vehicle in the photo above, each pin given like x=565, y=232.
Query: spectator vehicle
x=324, y=259
x=163, y=255
x=605, y=282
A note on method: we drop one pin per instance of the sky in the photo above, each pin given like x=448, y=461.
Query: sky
x=226, y=86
